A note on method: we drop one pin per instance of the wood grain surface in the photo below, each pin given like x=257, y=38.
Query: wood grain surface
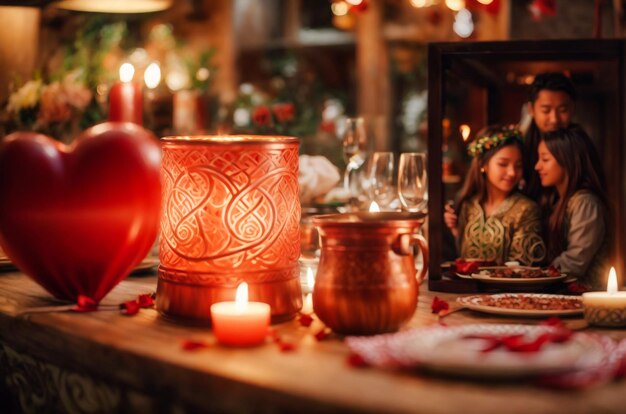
x=141, y=361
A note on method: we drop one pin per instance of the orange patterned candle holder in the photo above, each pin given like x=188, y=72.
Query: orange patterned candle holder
x=231, y=214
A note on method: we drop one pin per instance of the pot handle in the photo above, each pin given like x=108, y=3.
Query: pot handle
x=405, y=247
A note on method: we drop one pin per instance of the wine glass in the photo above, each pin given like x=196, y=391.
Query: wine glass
x=381, y=177
x=355, y=149
x=413, y=182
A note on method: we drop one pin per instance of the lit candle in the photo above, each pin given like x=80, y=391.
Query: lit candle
x=240, y=323
x=125, y=98
x=374, y=208
x=606, y=308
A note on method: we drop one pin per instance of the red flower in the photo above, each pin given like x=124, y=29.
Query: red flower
x=284, y=112
x=262, y=116
x=439, y=305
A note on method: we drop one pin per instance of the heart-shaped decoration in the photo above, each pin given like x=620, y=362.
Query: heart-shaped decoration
x=78, y=218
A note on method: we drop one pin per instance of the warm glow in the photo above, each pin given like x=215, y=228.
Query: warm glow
x=611, y=286
x=485, y=2
x=241, y=297
x=455, y=5
x=465, y=131
x=374, y=208
x=127, y=72
x=419, y=3
x=339, y=8
x=354, y=2
x=310, y=279
x=152, y=75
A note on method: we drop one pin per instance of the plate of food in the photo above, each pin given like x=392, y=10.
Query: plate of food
x=524, y=304
x=517, y=275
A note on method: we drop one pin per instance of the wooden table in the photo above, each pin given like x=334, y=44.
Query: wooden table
x=103, y=361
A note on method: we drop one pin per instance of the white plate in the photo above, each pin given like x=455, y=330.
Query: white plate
x=449, y=350
x=475, y=303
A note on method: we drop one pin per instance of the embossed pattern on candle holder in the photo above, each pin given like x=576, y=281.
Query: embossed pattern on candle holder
x=231, y=213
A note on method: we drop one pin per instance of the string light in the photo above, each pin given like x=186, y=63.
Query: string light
x=463, y=25
x=455, y=5
x=339, y=8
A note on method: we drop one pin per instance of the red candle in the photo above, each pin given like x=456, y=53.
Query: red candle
x=240, y=323
x=125, y=98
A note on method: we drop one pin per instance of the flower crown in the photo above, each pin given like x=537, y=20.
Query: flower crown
x=492, y=139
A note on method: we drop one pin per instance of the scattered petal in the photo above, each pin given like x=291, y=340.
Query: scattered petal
x=145, y=301
x=322, y=334
x=286, y=346
x=305, y=320
x=356, y=361
x=439, y=305
x=191, y=345
x=130, y=308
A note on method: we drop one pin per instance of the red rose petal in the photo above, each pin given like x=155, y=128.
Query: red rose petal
x=286, y=346
x=191, y=345
x=322, y=334
x=305, y=320
x=439, y=305
x=356, y=361
x=145, y=301
x=130, y=308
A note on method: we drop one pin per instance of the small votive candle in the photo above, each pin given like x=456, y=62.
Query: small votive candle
x=240, y=323
x=606, y=308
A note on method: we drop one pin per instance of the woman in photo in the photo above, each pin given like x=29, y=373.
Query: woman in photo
x=496, y=222
x=574, y=205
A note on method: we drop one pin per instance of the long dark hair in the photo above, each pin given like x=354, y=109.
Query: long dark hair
x=574, y=151
x=475, y=182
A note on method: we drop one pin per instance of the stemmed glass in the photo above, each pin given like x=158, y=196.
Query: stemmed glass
x=381, y=177
x=413, y=182
x=355, y=149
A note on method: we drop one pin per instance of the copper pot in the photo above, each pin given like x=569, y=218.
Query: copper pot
x=366, y=280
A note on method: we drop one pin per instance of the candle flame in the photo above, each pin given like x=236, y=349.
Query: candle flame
x=310, y=279
x=241, y=297
x=611, y=286
x=152, y=75
x=374, y=208
x=465, y=131
x=127, y=72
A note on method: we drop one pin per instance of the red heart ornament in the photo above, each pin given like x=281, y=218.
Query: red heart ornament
x=78, y=218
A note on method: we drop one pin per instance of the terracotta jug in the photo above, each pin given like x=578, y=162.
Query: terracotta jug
x=366, y=280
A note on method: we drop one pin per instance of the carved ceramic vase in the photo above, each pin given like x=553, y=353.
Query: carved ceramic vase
x=366, y=281
x=231, y=214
